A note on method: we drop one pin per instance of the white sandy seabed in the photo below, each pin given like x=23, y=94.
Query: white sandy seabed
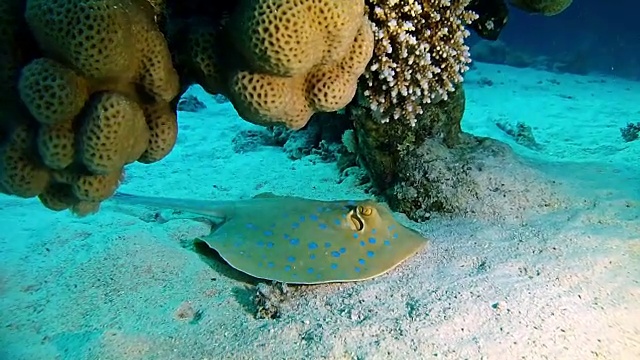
x=557, y=284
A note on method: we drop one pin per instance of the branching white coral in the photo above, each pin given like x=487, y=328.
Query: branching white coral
x=419, y=56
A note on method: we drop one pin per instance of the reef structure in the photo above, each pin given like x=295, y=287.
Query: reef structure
x=93, y=85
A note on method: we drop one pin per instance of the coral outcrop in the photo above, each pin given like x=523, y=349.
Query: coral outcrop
x=419, y=56
x=95, y=95
x=544, y=7
x=279, y=62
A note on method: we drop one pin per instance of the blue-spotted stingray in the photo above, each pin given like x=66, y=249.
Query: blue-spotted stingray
x=300, y=241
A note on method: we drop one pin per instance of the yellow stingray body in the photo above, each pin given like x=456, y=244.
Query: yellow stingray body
x=300, y=241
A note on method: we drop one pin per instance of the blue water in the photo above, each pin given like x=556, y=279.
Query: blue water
x=604, y=34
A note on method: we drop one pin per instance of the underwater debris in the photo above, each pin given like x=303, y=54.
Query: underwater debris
x=191, y=103
x=269, y=299
x=220, y=99
x=520, y=132
x=630, y=132
x=320, y=137
x=251, y=140
x=187, y=313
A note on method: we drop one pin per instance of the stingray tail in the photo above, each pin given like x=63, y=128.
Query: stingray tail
x=216, y=209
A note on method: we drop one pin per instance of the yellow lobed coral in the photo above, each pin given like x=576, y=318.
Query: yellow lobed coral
x=288, y=59
x=419, y=55
x=97, y=100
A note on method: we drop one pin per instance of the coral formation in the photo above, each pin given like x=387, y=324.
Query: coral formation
x=92, y=85
x=279, y=62
x=96, y=96
x=419, y=56
x=399, y=156
x=544, y=7
x=492, y=17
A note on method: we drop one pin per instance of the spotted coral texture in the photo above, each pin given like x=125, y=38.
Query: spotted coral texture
x=103, y=64
x=284, y=59
x=544, y=7
x=295, y=58
x=163, y=131
x=419, y=55
x=52, y=92
x=114, y=133
x=20, y=174
x=289, y=37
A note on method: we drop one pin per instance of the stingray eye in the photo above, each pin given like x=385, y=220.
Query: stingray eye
x=357, y=224
x=366, y=211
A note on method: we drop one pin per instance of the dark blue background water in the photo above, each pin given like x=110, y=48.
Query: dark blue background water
x=604, y=33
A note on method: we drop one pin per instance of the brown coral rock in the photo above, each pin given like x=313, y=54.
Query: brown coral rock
x=114, y=133
x=291, y=75
x=52, y=92
x=544, y=7
x=56, y=145
x=163, y=131
x=284, y=60
x=103, y=78
x=289, y=37
x=20, y=174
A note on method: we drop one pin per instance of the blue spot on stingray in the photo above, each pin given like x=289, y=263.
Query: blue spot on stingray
x=270, y=245
x=270, y=264
x=310, y=270
x=372, y=240
x=370, y=253
x=268, y=233
x=361, y=261
x=286, y=236
x=287, y=268
x=373, y=231
x=323, y=226
x=395, y=235
x=335, y=254
x=357, y=269
x=327, y=245
x=294, y=241
x=351, y=202
x=337, y=221
x=320, y=209
x=362, y=243
x=250, y=226
x=312, y=256
x=313, y=246
x=387, y=242
x=313, y=217
x=260, y=243
x=355, y=235
x=343, y=250
x=291, y=259
x=391, y=227
x=301, y=218
x=295, y=225
x=334, y=266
